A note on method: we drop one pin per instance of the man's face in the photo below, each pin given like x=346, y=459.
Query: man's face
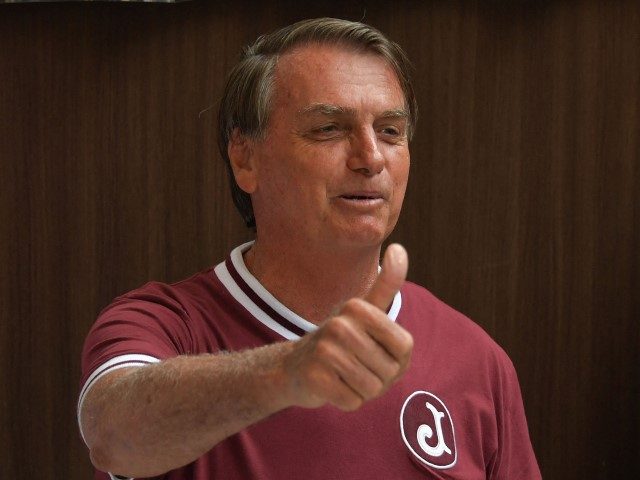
x=334, y=164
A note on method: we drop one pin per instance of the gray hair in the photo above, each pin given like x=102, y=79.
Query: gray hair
x=246, y=101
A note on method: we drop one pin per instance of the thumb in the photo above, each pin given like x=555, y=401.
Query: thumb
x=391, y=278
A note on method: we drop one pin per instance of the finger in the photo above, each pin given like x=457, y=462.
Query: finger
x=357, y=376
x=388, y=335
x=394, y=271
x=345, y=398
x=327, y=386
x=368, y=352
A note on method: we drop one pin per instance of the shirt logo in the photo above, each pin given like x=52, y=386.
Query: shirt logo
x=427, y=430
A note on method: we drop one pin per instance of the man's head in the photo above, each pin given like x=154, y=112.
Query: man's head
x=247, y=103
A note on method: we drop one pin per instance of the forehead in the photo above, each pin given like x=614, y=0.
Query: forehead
x=336, y=74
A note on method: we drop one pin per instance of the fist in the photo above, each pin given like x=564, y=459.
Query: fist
x=358, y=354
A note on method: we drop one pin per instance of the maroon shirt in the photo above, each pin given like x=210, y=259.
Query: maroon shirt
x=457, y=412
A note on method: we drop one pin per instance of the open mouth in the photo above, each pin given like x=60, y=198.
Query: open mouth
x=359, y=197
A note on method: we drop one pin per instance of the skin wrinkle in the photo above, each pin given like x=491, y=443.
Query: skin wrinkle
x=322, y=116
x=328, y=109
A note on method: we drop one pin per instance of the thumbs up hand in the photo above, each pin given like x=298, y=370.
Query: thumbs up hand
x=358, y=354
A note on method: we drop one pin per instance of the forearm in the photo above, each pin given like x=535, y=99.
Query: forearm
x=157, y=418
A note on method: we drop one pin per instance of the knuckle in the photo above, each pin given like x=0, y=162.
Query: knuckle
x=340, y=329
x=403, y=340
x=395, y=369
x=323, y=348
x=407, y=341
x=351, y=403
x=336, y=325
x=376, y=387
x=354, y=306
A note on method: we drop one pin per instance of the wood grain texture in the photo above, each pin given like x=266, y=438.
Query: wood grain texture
x=523, y=209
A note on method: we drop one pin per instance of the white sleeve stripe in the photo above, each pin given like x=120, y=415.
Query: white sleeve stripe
x=117, y=477
x=102, y=369
x=122, y=361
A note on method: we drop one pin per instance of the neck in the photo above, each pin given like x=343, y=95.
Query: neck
x=311, y=280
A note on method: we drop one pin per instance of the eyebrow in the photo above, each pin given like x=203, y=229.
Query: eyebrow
x=333, y=110
x=395, y=113
x=325, y=109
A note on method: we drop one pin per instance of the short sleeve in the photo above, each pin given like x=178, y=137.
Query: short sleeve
x=142, y=327
x=514, y=457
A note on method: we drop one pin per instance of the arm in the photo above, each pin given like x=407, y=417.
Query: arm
x=146, y=421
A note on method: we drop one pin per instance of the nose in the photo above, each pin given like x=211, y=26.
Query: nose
x=365, y=156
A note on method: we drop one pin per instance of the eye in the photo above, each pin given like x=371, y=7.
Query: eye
x=394, y=131
x=327, y=128
x=327, y=131
x=393, y=134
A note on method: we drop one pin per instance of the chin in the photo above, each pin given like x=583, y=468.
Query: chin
x=363, y=236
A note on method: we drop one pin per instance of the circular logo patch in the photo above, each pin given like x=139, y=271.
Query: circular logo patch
x=427, y=430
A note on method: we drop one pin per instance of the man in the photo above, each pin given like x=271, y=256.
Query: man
x=291, y=359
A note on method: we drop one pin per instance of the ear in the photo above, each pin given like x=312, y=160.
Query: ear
x=242, y=159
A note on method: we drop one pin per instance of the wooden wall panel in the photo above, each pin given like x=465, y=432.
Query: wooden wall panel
x=522, y=212
x=530, y=195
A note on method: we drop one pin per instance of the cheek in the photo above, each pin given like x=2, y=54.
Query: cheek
x=400, y=176
x=295, y=184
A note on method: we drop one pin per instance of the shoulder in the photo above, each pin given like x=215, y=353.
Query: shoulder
x=442, y=327
x=157, y=310
x=156, y=320
x=189, y=287
x=176, y=297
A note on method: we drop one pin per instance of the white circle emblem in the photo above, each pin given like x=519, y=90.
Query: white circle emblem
x=427, y=430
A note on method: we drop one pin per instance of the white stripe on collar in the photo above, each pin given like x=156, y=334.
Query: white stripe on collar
x=252, y=282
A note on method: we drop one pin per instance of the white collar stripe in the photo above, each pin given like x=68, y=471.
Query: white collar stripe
x=395, y=307
x=236, y=292
x=253, y=283
x=268, y=310
x=264, y=306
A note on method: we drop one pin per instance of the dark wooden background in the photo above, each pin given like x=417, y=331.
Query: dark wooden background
x=523, y=209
